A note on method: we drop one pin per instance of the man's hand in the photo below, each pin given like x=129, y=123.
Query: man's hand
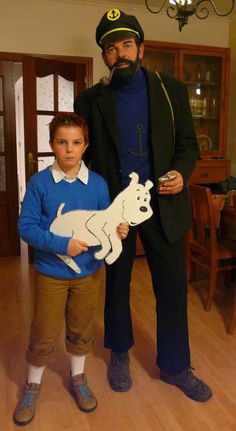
x=172, y=187
x=123, y=230
x=76, y=247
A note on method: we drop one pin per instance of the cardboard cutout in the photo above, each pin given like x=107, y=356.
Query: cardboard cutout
x=132, y=205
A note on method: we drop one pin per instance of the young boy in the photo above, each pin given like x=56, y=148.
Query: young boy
x=60, y=291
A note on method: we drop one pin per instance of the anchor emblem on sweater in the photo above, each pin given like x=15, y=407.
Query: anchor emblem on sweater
x=139, y=132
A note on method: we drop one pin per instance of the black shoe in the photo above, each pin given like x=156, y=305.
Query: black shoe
x=193, y=387
x=118, y=372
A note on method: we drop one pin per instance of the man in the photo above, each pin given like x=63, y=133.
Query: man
x=140, y=121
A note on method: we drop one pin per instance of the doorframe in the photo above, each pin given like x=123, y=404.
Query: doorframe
x=21, y=57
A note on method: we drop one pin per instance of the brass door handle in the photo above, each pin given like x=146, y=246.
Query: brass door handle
x=32, y=162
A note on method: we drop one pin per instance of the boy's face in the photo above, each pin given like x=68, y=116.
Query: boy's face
x=68, y=146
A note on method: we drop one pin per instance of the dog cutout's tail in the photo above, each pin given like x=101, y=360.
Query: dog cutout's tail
x=70, y=262
x=60, y=208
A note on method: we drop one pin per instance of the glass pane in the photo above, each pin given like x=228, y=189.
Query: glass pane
x=204, y=69
x=2, y=174
x=202, y=75
x=45, y=94
x=65, y=94
x=43, y=132
x=1, y=96
x=1, y=133
x=44, y=162
x=159, y=61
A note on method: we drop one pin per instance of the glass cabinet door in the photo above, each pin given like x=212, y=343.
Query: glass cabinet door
x=205, y=71
x=203, y=76
x=160, y=60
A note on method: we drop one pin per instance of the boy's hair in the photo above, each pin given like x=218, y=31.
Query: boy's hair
x=68, y=119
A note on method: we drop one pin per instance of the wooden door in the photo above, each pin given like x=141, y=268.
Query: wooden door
x=9, y=239
x=50, y=86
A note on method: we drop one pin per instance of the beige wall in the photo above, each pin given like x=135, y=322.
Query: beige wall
x=67, y=27
x=232, y=103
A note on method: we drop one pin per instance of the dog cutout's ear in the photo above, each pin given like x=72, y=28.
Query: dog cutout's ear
x=148, y=185
x=134, y=178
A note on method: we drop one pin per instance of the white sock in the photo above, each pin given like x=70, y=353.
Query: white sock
x=35, y=374
x=77, y=364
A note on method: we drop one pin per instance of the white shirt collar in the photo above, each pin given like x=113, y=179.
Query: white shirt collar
x=59, y=175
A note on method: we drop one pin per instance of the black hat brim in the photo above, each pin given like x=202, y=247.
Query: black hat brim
x=117, y=35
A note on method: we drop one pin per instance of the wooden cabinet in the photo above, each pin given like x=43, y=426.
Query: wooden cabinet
x=210, y=171
x=205, y=71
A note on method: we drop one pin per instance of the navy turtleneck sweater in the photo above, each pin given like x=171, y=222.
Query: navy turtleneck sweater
x=131, y=99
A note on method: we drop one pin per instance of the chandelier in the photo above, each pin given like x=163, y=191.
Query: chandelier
x=183, y=9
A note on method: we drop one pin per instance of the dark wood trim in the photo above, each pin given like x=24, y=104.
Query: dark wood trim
x=10, y=244
x=30, y=111
x=172, y=45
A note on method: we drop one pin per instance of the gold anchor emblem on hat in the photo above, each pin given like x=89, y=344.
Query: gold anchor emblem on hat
x=113, y=14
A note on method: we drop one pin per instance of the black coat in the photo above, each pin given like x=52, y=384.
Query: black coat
x=177, y=152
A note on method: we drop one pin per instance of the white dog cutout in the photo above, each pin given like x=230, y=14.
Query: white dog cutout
x=132, y=205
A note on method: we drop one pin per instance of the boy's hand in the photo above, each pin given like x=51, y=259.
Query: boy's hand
x=76, y=247
x=123, y=230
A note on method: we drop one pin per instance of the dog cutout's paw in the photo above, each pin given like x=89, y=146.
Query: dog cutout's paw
x=101, y=254
x=76, y=269
x=71, y=263
x=111, y=258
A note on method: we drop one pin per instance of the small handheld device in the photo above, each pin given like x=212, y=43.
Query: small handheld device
x=166, y=178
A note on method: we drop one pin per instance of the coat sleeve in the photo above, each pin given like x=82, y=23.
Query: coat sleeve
x=186, y=149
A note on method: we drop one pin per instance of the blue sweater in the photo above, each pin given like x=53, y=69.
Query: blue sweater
x=39, y=208
x=131, y=99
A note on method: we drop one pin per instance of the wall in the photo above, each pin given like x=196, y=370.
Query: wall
x=67, y=27
x=232, y=105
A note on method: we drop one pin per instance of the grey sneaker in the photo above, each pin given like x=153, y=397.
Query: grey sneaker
x=84, y=397
x=119, y=373
x=193, y=387
x=25, y=409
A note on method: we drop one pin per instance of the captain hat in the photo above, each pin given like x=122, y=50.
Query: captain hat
x=115, y=24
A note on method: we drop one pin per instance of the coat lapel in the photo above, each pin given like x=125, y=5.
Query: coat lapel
x=107, y=107
x=160, y=122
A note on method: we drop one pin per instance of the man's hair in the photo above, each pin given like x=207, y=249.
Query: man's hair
x=68, y=119
x=137, y=41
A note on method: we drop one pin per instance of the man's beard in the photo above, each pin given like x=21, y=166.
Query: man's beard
x=124, y=74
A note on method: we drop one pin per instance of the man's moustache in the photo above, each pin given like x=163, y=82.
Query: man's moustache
x=122, y=61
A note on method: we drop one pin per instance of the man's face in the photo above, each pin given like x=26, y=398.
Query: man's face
x=125, y=55
x=123, y=48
